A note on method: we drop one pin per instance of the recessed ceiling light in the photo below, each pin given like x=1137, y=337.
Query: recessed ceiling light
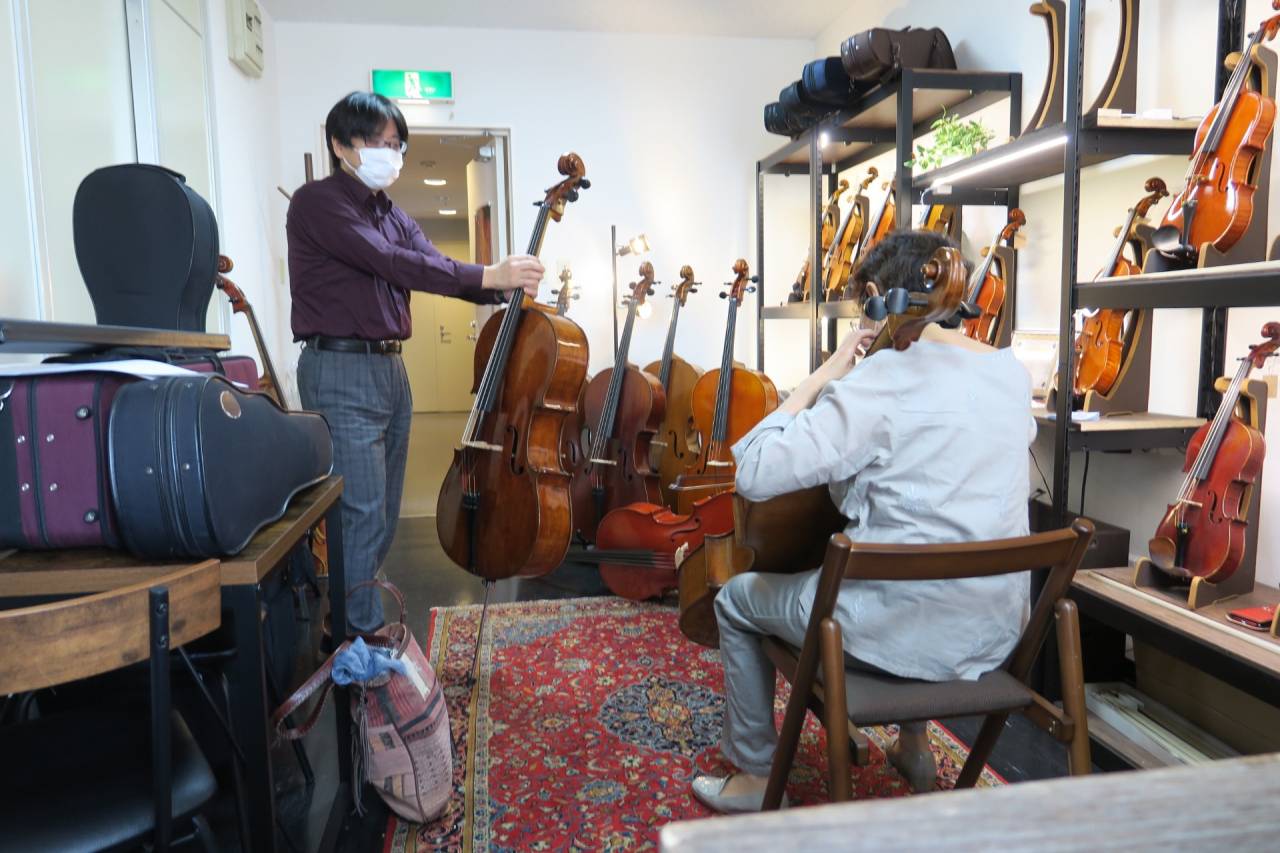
x=448, y=211
x=434, y=182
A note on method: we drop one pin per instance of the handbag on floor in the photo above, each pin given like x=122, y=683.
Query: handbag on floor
x=402, y=723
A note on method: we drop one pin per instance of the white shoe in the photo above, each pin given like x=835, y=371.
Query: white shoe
x=707, y=790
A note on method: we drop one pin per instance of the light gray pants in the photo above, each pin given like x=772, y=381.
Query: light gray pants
x=366, y=400
x=750, y=607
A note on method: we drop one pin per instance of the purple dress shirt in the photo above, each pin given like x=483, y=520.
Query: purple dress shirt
x=353, y=258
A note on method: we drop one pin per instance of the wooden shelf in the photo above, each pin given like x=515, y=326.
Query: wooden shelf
x=1138, y=431
x=33, y=336
x=868, y=128
x=1249, y=660
x=790, y=311
x=1256, y=284
x=841, y=310
x=1039, y=154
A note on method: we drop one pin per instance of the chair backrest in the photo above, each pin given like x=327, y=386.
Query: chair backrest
x=1060, y=551
x=81, y=637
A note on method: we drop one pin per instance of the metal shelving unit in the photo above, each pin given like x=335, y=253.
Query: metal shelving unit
x=888, y=118
x=33, y=336
x=1245, y=285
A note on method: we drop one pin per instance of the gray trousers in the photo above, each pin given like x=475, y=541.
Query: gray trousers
x=750, y=607
x=366, y=400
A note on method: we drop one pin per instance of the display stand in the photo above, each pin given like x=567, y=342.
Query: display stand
x=1253, y=245
x=1049, y=110
x=1200, y=592
x=1131, y=392
x=1120, y=92
x=1007, y=258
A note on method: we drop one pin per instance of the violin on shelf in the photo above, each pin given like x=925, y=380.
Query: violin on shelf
x=881, y=225
x=988, y=285
x=789, y=533
x=727, y=403
x=504, y=506
x=566, y=293
x=1215, y=204
x=832, y=224
x=839, y=260
x=675, y=446
x=1100, y=344
x=1203, y=532
x=942, y=219
x=623, y=410
x=268, y=382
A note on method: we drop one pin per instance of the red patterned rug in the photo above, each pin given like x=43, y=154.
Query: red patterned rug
x=587, y=723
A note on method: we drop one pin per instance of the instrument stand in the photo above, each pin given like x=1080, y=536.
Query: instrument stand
x=1049, y=110
x=1200, y=592
x=1253, y=244
x=473, y=675
x=1008, y=259
x=1120, y=92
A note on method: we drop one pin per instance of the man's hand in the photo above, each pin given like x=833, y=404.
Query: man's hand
x=836, y=367
x=517, y=272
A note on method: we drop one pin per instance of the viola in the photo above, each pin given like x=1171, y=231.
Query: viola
x=1202, y=534
x=789, y=533
x=1100, y=344
x=727, y=403
x=623, y=410
x=1215, y=204
x=987, y=287
x=268, y=382
x=839, y=260
x=504, y=507
x=832, y=224
x=674, y=447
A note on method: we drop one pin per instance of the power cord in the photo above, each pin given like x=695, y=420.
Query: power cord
x=1048, y=491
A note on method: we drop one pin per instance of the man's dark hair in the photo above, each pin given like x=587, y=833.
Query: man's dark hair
x=360, y=115
x=896, y=261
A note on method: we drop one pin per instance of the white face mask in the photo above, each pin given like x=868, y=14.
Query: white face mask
x=379, y=167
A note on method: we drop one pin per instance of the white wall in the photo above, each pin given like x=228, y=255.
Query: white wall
x=1129, y=490
x=669, y=128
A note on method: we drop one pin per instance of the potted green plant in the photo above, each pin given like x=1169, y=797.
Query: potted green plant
x=953, y=139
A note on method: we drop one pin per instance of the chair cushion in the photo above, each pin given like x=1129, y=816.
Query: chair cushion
x=82, y=780
x=874, y=698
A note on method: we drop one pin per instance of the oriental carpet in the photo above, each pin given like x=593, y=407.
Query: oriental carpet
x=588, y=720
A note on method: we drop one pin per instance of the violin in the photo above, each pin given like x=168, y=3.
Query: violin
x=677, y=444
x=940, y=218
x=504, y=506
x=789, y=533
x=624, y=409
x=1202, y=534
x=727, y=403
x=987, y=288
x=839, y=260
x=882, y=222
x=1100, y=344
x=1215, y=204
x=832, y=224
x=268, y=382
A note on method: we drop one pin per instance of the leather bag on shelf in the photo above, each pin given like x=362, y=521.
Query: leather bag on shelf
x=878, y=54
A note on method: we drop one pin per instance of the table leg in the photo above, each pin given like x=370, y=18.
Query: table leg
x=250, y=711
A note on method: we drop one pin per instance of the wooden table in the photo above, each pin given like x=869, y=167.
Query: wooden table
x=30, y=576
x=1226, y=805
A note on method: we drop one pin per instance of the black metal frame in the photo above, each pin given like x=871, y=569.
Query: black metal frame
x=161, y=731
x=985, y=88
x=35, y=336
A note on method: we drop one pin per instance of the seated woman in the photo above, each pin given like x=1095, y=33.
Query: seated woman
x=927, y=445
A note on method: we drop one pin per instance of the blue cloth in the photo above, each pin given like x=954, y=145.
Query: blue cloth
x=360, y=663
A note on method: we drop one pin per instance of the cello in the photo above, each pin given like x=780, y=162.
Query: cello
x=1215, y=204
x=839, y=260
x=504, y=506
x=727, y=402
x=789, y=533
x=565, y=293
x=672, y=451
x=832, y=223
x=623, y=410
x=987, y=289
x=1100, y=344
x=268, y=382
x=1202, y=534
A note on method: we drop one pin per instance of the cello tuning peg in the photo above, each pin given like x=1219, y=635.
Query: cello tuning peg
x=897, y=300
x=585, y=184
x=650, y=291
x=724, y=296
x=875, y=308
x=576, y=296
x=754, y=279
x=751, y=290
x=555, y=293
x=571, y=195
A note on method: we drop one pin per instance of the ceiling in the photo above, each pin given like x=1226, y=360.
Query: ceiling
x=800, y=19
x=434, y=156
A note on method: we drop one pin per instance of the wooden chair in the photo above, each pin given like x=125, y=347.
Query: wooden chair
x=86, y=780
x=844, y=700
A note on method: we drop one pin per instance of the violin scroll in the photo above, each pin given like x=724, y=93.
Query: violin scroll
x=1259, y=353
x=872, y=174
x=1157, y=190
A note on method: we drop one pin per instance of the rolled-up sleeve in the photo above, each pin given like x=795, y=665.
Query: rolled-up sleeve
x=832, y=440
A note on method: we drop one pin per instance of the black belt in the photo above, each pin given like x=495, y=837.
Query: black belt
x=389, y=347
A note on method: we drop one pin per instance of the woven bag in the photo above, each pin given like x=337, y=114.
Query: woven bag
x=402, y=723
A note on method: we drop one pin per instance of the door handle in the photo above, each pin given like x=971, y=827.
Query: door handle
x=444, y=335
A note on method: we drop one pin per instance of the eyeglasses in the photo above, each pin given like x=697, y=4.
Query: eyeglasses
x=392, y=144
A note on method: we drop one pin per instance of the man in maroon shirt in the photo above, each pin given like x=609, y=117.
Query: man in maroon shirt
x=353, y=258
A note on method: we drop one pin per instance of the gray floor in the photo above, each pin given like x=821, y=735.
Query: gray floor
x=428, y=579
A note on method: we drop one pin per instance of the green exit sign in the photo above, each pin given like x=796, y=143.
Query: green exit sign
x=402, y=85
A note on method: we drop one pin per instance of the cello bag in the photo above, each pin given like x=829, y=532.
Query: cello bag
x=199, y=466
x=825, y=82
x=878, y=54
